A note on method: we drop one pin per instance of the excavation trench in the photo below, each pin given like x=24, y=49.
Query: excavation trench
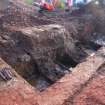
x=18, y=51
x=65, y=64
x=43, y=51
x=27, y=67
x=30, y=58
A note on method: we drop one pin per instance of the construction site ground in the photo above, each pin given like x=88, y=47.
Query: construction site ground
x=52, y=58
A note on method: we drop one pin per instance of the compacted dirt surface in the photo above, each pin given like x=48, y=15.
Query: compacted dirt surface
x=51, y=59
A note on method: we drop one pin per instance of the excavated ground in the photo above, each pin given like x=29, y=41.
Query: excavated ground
x=57, y=55
x=43, y=48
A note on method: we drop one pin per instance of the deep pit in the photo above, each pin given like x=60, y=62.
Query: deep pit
x=43, y=49
x=52, y=58
x=30, y=70
x=63, y=63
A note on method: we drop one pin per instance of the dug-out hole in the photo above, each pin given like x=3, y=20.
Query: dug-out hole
x=38, y=80
x=66, y=64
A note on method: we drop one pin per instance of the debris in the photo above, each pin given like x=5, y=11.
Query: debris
x=6, y=74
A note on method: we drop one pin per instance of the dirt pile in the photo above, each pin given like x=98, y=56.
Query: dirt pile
x=16, y=17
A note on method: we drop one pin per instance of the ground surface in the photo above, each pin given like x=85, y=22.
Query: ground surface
x=42, y=48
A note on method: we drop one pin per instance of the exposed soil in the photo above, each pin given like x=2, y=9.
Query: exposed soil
x=43, y=48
